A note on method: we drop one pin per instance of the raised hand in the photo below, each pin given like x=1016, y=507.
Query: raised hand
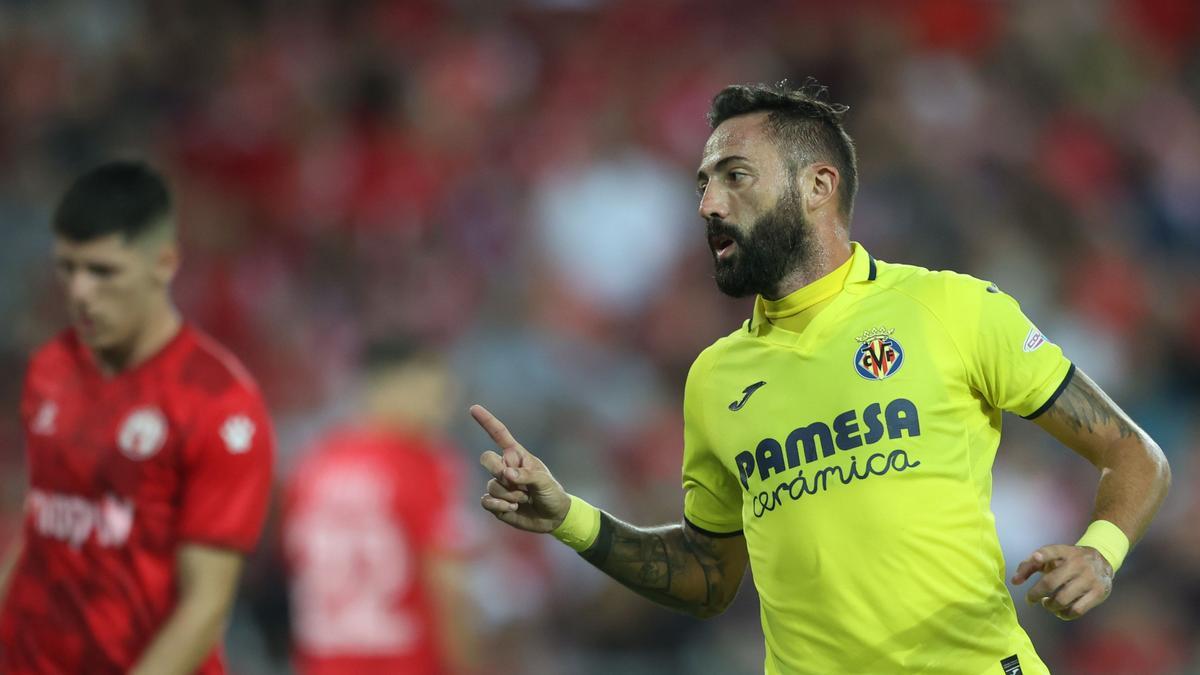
x=522, y=492
x=1074, y=579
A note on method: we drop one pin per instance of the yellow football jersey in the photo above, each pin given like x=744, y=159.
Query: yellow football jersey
x=856, y=456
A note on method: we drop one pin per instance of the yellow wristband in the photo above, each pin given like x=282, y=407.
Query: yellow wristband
x=1108, y=539
x=581, y=526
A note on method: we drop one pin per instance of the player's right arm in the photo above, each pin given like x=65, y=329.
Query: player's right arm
x=677, y=566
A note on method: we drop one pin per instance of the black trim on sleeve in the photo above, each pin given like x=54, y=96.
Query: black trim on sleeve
x=709, y=533
x=871, y=273
x=1053, y=397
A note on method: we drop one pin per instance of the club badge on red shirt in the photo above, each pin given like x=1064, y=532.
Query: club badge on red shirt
x=142, y=433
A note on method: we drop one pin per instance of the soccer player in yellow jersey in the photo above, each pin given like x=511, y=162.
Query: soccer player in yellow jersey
x=841, y=440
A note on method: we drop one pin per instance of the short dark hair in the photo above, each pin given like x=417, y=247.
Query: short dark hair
x=395, y=351
x=809, y=127
x=123, y=197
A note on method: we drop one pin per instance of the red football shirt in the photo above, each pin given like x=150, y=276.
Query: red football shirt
x=362, y=512
x=122, y=470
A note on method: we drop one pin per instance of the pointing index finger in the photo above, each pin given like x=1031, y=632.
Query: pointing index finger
x=494, y=427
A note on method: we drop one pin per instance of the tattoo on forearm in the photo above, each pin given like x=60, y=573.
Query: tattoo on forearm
x=1134, y=474
x=1083, y=406
x=667, y=564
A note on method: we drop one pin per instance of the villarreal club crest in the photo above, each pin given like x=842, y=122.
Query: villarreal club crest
x=879, y=355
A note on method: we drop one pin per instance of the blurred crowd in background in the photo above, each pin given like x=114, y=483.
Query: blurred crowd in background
x=512, y=183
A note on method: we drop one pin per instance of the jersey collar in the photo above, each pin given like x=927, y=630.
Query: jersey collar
x=863, y=270
x=177, y=343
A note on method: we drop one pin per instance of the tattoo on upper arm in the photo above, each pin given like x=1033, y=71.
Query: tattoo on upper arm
x=1083, y=406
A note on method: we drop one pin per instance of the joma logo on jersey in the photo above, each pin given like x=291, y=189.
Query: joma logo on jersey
x=878, y=355
x=899, y=418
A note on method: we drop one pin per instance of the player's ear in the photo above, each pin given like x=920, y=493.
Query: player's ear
x=819, y=183
x=166, y=262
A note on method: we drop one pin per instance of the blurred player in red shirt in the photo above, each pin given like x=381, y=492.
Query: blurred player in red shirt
x=372, y=532
x=149, y=452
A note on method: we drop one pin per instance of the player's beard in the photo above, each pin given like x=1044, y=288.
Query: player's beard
x=779, y=243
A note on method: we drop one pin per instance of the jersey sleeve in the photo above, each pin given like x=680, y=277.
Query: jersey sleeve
x=227, y=473
x=1009, y=361
x=712, y=498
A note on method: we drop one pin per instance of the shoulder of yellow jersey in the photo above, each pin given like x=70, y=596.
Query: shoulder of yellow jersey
x=697, y=377
x=712, y=353
x=940, y=291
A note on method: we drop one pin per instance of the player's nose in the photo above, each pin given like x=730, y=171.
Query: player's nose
x=713, y=203
x=80, y=288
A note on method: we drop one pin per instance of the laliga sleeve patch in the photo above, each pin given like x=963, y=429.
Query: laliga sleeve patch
x=238, y=434
x=1033, y=340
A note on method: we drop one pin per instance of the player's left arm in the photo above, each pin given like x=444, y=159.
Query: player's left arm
x=207, y=585
x=447, y=576
x=1134, y=478
x=226, y=475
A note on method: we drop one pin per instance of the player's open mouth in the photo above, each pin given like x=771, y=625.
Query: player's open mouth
x=721, y=245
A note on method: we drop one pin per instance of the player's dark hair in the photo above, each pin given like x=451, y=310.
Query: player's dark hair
x=393, y=351
x=124, y=197
x=807, y=127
